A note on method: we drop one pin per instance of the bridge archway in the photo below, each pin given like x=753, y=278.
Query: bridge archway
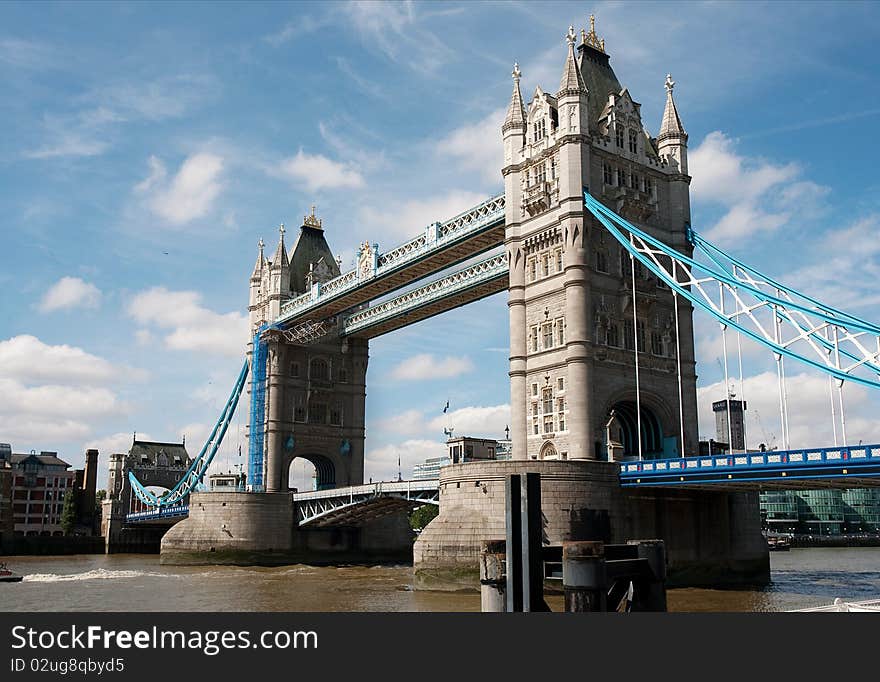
x=324, y=471
x=658, y=437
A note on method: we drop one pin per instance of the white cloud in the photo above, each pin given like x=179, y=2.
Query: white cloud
x=409, y=422
x=114, y=443
x=316, y=172
x=426, y=366
x=809, y=411
x=406, y=219
x=756, y=195
x=188, y=325
x=53, y=393
x=28, y=359
x=190, y=194
x=381, y=464
x=396, y=31
x=478, y=146
x=70, y=292
x=485, y=422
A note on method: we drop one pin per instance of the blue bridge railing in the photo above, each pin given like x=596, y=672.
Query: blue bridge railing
x=159, y=513
x=777, y=466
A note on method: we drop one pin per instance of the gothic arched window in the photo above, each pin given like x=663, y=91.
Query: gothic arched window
x=319, y=370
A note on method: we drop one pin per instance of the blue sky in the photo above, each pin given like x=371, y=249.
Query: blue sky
x=147, y=147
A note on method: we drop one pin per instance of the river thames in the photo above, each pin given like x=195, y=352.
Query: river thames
x=800, y=578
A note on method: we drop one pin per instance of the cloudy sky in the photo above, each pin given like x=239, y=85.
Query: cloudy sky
x=147, y=147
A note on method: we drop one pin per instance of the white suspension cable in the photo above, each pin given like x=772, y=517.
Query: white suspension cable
x=840, y=388
x=742, y=389
x=780, y=378
x=678, y=364
x=726, y=375
x=632, y=268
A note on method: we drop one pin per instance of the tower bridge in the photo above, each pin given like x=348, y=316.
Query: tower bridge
x=603, y=272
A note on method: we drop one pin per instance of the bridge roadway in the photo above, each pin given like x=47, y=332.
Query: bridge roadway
x=455, y=289
x=440, y=246
x=807, y=469
x=359, y=503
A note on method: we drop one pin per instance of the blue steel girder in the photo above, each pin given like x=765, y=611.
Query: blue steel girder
x=810, y=468
x=457, y=288
x=787, y=322
x=199, y=467
x=356, y=504
x=439, y=246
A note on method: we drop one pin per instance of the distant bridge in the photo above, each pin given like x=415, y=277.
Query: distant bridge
x=359, y=503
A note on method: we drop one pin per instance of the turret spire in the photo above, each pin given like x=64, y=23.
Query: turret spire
x=261, y=260
x=516, y=112
x=280, y=258
x=671, y=126
x=572, y=80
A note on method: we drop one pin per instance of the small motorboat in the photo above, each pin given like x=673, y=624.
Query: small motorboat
x=7, y=576
x=778, y=543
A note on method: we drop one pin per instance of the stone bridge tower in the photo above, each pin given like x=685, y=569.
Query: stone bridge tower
x=573, y=330
x=315, y=384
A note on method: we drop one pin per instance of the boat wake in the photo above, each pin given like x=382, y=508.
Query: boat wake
x=97, y=574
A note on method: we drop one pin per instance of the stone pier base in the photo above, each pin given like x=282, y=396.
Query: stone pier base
x=712, y=538
x=260, y=529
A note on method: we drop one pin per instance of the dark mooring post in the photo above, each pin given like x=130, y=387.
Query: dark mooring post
x=532, y=527
x=651, y=594
x=492, y=581
x=513, y=528
x=583, y=576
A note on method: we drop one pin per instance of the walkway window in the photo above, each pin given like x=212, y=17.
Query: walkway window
x=561, y=409
x=533, y=269
x=656, y=343
x=299, y=413
x=535, y=389
x=628, y=340
x=319, y=370
x=534, y=343
x=560, y=330
x=548, y=401
x=560, y=384
x=606, y=174
x=548, y=424
x=560, y=263
x=634, y=181
x=317, y=413
x=633, y=141
x=336, y=415
x=640, y=332
x=548, y=335
x=621, y=177
x=294, y=369
x=601, y=261
x=611, y=336
x=618, y=136
x=649, y=186
x=545, y=265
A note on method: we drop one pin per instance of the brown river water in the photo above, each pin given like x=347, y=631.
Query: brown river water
x=134, y=582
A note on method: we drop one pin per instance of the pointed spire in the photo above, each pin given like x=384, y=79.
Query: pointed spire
x=592, y=39
x=280, y=258
x=516, y=112
x=671, y=126
x=261, y=260
x=572, y=81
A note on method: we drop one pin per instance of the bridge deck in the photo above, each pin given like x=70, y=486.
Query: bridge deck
x=357, y=504
x=455, y=289
x=455, y=241
x=842, y=467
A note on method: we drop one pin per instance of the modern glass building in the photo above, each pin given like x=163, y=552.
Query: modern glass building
x=822, y=512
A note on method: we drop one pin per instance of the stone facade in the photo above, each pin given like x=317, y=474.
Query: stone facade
x=315, y=389
x=573, y=327
x=712, y=538
x=258, y=528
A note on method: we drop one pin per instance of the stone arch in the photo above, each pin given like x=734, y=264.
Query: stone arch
x=548, y=451
x=325, y=469
x=659, y=428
